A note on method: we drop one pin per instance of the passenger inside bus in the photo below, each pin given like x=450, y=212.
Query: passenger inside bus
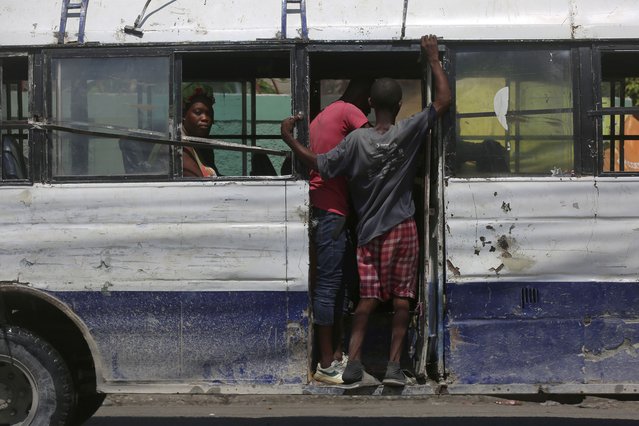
x=630, y=148
x=197, y=119
x=333, y=246
x=488, y=156
x=13, y=164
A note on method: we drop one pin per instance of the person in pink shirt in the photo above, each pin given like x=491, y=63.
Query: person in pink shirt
x=330, y=207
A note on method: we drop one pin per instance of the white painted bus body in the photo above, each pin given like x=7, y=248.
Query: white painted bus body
x=181, y=21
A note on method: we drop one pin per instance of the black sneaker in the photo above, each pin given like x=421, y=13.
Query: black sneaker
x=395, y=376
x=353, y=372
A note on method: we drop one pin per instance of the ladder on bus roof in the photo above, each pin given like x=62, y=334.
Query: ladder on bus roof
x=73, y=10
x=288, y=7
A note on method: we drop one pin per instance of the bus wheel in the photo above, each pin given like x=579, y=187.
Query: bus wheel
x=35, y=384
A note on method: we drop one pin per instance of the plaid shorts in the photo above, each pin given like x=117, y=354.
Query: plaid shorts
x=387, y=264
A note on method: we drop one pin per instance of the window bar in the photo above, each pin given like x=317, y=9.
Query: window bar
x=613, y=142
x=253, y=115
x=7, y=92
x=517, y=127
x=21, y=115
x=622, y=121
x=244, y=124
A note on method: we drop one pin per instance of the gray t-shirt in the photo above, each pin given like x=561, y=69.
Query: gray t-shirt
x=381, y=171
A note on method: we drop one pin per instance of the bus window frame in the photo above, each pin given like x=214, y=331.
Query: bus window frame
x=581, y=140
x=21, y=125
x=246, y=79
x=596, y=111
x=175, y=140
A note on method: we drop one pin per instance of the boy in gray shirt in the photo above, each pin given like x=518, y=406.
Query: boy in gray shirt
x=380, y=164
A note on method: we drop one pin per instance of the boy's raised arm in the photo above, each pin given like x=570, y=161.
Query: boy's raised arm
x=442, y=90
x=305, y=155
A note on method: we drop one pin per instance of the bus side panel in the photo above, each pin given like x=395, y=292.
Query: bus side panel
x=541, y=282
x=226, y=337
x=178, y=281
x=553, y=332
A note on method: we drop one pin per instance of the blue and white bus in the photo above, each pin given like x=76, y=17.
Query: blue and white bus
x=118, y=274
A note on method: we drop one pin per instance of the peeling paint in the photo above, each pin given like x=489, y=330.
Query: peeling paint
x=452, y=268
x=626, y=347
x=497, y=269
x=105, y=288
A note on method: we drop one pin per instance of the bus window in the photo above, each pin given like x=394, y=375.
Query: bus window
x=14, y=104
x=118, y=97
x=514, y=113
x=252, y=93
x=620, y=105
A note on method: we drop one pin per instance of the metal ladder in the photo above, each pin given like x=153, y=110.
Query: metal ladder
x=300, y=9
x=70, y=10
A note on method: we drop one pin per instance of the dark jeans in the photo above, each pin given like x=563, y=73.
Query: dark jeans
x=335, y=258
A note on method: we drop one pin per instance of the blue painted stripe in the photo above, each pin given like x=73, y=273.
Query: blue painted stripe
x=534, y=333
x=226, y=337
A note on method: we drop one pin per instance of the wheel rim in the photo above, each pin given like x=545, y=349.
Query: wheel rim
x=18, y=392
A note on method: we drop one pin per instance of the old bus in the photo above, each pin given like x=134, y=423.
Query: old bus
x=119, y=274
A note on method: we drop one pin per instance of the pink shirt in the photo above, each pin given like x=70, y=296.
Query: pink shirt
x=327, y=131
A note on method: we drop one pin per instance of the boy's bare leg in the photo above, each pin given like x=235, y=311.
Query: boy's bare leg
x=401, y=307
x=338, y=339
x=325, y=340
x=365, y=307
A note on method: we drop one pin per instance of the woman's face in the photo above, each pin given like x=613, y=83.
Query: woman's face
x=198, y=120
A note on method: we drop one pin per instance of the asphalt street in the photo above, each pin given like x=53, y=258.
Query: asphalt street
x=323, y=410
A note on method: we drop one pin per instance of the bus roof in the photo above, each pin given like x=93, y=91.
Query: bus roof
x=38, y=22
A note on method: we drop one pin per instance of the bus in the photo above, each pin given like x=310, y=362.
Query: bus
x=120, y=275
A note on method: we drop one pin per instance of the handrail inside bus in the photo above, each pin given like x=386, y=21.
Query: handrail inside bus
x=614, y=110
x=150, y=136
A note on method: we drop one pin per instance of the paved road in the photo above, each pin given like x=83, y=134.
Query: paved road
x=307, y=410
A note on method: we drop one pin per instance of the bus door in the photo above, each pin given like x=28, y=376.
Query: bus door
x=429, y=210
x=328, y=82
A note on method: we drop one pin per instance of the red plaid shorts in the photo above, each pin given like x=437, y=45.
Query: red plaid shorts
x=387, y=264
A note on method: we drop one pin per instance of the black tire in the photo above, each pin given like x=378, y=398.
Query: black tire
x=36, y=385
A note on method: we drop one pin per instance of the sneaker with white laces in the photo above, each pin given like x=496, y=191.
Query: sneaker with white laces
x=342, y=363
x=331, y=374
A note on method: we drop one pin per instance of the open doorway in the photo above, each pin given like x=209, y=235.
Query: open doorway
x=330, y=72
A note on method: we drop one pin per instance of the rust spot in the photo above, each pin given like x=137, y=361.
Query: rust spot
x=455, y=338
x=505, y=207
x=502, y=242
